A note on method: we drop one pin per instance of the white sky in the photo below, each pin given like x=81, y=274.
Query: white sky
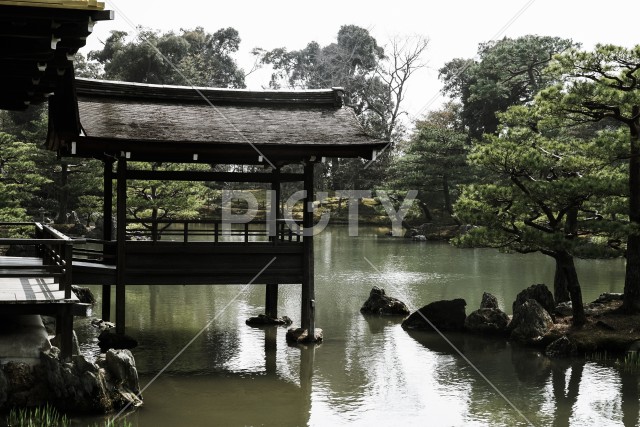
x=454, y=28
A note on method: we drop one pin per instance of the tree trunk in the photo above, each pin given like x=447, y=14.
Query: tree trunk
x=631, y=303
x=424, y=208
x=446, y=193
x=571, y=276
x=560, y=288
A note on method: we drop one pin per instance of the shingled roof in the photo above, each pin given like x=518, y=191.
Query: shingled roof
x=37, y=44
x=172, y=123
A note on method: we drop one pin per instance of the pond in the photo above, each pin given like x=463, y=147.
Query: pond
x=368, y=371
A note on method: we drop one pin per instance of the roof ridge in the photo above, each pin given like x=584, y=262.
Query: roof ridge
x=173, y=93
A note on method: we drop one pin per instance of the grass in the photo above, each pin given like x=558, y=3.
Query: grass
x=631, y=362
x=42, y=416
x=48, y=416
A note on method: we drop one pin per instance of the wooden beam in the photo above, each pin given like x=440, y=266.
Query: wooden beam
x=212, y=176
x=121, y=240
x=308, y=285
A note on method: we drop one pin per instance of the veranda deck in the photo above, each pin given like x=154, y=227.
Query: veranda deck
x=28, y=286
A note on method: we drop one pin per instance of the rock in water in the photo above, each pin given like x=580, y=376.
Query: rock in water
x=539, y=293
x=487, y=321
x=488, y=301
x=446, y=315
x=562, y=347
x=264, y=320
x=108, y=340
x=122, y=367
x=530, y=322
x=301, y=336
x=381, y=304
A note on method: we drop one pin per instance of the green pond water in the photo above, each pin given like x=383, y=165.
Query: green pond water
x=368, y=371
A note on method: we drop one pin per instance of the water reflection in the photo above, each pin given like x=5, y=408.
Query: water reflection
x=368, y=371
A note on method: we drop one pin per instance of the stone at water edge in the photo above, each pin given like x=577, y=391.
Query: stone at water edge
x=530, y=322
x=562, y=347
x=381, y=304
x=108, y=339
x=538, y=292
x=564, y=309
x=122, y=366
x=446, y=315
x=608, y=297
x=300, y=336
x=103, y=325
x=487, y=321
x=488, y=301
x=263, y=319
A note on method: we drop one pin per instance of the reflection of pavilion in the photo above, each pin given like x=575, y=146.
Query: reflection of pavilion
x=235, y=392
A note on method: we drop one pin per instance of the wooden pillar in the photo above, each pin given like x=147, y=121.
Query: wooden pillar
x=308, y=285
x=65, y=329
x=271, y=295
x=121, y=239
x=107, y=225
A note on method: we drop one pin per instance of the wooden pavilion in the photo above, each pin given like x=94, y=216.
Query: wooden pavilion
x=125, y=123
x=122, y=124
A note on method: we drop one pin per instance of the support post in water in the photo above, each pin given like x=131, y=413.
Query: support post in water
x=107, y=225
x=271, y=296
x=121, y=240
x=308, y=285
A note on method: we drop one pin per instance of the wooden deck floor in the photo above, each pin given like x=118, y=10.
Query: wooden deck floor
x=32, y=287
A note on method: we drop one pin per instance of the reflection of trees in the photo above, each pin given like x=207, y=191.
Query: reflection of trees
x=520, y=374
x=565, y=396
x=630, y=398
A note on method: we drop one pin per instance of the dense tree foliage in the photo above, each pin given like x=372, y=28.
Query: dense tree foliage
x=553, y=193
x=190, y=57
x=604, y=86
x=506, y=72
x=433, y=161
x=42, y=181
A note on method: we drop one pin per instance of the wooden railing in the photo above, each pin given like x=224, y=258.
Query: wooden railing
x=211, y=231
x=95, y=251
x=54, y=248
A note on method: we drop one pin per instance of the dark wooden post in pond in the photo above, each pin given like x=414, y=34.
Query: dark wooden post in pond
x=107, y=225
x=308, y=285
x=271, y=296
x=121, y=240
